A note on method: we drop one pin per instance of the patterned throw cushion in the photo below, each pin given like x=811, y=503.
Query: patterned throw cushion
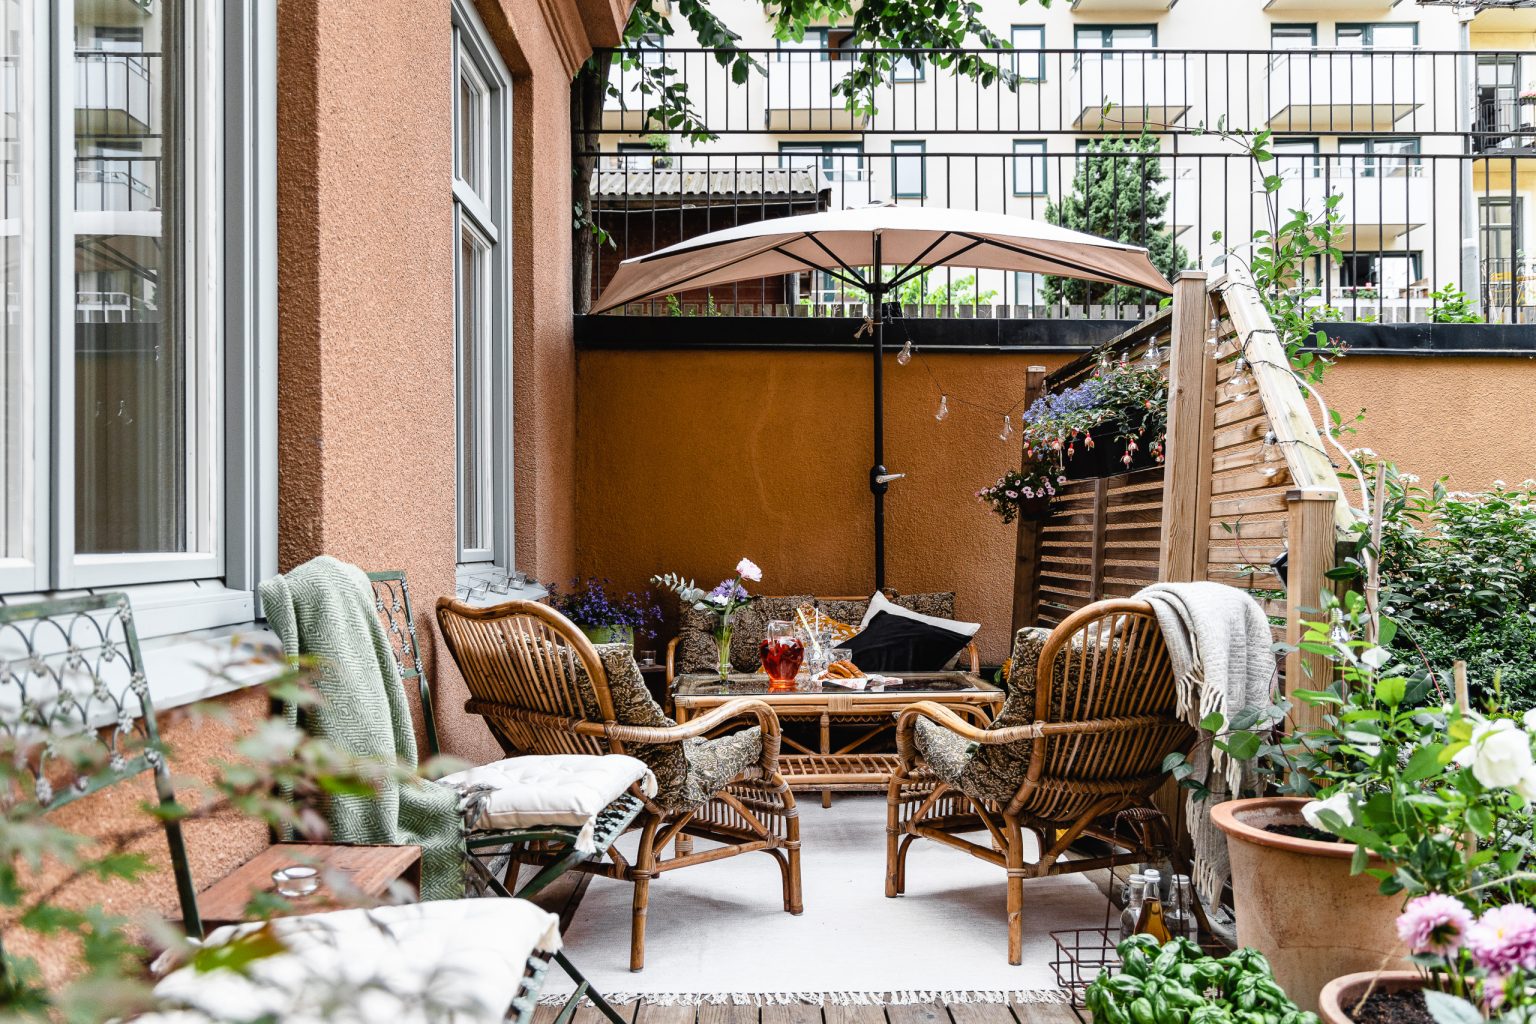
x=688, y=773
x=990, y=772
x=816, y=617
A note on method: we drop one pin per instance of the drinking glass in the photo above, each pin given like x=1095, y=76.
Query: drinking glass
x=818, y=652
x=648, y=659
x=781, y=652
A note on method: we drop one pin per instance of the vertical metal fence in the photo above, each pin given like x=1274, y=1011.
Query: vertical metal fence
x=1129, y=142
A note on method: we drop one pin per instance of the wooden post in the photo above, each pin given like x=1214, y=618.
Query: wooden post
x=1191, y=400
x=1026, y=565
x=1312, y=551
x=1100, y=532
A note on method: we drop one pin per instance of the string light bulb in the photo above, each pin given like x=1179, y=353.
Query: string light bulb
x=905, y=355
x=1007, y=433
x=1269, y=455
x=1237, y=384
x=1213, y=339
x=943, y=413
x=1154, y=354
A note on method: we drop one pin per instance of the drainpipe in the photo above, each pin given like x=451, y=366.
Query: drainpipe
x=1466, y=93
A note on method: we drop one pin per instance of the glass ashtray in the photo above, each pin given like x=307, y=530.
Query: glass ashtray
x=296, y=880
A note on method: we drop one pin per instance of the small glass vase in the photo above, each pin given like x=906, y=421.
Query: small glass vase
x=723, y=650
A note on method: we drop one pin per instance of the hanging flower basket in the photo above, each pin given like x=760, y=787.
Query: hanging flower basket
x=1106, y=457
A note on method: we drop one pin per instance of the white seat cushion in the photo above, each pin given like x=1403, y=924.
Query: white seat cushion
x=450, y=959
x=553, y=789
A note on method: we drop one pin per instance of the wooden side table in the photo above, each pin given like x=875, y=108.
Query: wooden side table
x=372, y=868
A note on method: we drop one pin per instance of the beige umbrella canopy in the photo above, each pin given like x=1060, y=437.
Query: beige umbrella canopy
x=856, y=247
x=909, y=238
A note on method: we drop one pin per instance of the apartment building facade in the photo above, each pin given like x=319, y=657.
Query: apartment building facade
x=1381, y=102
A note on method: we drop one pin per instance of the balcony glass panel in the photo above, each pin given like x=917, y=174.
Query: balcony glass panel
x=16, y=380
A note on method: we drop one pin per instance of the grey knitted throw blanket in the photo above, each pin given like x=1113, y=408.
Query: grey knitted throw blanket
x=324, y=610
x=1221, y=650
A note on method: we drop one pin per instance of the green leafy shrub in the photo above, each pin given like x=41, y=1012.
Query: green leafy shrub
x=1177, y=983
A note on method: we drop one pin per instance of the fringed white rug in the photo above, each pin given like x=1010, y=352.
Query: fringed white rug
x=718, y=932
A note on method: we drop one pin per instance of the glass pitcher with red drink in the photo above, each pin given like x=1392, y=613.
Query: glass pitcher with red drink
x=782, y=653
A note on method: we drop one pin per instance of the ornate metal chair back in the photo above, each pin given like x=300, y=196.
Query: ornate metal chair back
x=532, y=674
x=76, y=711
x=392, y=600
x=1105, y=666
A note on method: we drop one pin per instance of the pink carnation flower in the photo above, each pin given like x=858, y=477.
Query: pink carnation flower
x=1504, y=939
x=1435, y=923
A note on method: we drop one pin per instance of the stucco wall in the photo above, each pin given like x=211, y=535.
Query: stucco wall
x=688, y=460
x=365, y=407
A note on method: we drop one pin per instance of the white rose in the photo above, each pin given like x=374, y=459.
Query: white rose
x=1376, y=657
x=1338, y=804
x=1530, y=719
x=748, y=570
x=1500, y=754
x=1526, y=787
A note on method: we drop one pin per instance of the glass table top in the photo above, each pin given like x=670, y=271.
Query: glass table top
x=745, y=685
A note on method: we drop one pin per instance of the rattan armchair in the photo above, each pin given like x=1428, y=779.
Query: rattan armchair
x=1080, y=752
x=544, y=688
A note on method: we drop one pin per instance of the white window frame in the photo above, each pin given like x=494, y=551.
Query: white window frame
x=231, y=82
x=489, y=216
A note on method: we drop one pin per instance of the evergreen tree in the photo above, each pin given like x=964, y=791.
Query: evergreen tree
x=1116, y=193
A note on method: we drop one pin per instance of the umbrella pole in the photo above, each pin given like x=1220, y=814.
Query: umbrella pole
x=878, y=486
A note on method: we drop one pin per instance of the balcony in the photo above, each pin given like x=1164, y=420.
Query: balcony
x=1127, y=91
x=1383, y=197
x=111, y=185
x=1359, y=91
x=1339, y=6
x=112, y=93
x=1121, y=6
x=801, y=96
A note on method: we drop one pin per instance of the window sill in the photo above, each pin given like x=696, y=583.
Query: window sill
x=482, y=584
x=187, y=631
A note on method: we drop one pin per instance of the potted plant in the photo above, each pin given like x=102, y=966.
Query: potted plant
x=1113, y=422
x=606, y=618
x=660, y=145
x=721, y=604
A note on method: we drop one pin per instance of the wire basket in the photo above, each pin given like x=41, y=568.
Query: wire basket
x=1082, y=954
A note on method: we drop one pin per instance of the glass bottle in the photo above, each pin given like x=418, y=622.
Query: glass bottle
x=1180, y=916
x=1135, y=891
x=781, y=653
x=1151, y=920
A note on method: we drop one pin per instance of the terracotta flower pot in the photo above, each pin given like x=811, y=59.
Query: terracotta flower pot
x=1298, y=904
x=1340, y=995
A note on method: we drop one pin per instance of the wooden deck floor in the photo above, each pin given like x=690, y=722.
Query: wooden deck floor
x=930, y=1013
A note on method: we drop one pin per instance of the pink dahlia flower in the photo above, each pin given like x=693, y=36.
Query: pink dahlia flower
x=1435, y=923
x=1504, y=939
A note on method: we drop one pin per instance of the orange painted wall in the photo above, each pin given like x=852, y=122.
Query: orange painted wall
x=688, y=460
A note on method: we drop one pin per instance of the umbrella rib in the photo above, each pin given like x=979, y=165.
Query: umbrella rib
x=683, y=282
x=822, y=246
x=900, y=277
x=1099, y=275
x=904, y=277
x=856, y=282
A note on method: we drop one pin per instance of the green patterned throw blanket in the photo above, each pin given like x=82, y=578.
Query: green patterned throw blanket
x=324, y=610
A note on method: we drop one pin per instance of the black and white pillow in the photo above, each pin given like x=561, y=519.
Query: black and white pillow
x=905, y=643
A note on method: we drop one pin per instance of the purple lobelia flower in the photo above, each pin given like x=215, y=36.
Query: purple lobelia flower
x=1435, y=923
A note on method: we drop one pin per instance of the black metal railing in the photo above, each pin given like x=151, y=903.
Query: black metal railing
x=1383, y=129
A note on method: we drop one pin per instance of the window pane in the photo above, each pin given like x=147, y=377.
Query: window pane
x=473, y=391
x=1029, y=168
x=1029, y=65
x=142, y=399
x=15, y=354
x=1292, y=37
x=470, y=122
x=907, y=176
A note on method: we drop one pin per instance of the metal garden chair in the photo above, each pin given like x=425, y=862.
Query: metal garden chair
x=1090, y=715
x=75, y=708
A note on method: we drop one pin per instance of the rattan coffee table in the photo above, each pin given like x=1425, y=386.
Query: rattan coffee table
x=858, y=764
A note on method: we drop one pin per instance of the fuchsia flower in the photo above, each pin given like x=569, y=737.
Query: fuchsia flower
x=1435, y=923
x=1504, y=939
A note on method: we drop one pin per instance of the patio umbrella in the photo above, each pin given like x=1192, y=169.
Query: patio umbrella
x=856, y=247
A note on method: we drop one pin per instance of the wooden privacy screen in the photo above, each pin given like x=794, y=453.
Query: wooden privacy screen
x=1225, y=504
